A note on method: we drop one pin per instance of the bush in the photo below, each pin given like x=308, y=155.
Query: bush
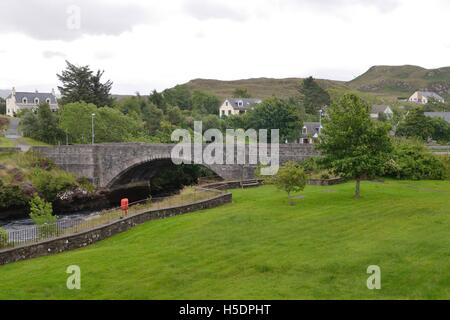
x=12, y=196
x=290, y=178
x=49, y=184
x=411, y=160
x=3, y=238
x=41, y=212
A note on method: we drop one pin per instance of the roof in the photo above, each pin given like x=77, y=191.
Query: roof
x=246, y=103
x=443, y=115
x=42, y=96
x=378, y=108
x=311, y=128
x=430, y=94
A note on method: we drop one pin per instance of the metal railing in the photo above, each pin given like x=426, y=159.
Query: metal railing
x=40, y=233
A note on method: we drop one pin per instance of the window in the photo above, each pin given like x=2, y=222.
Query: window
x=47, y=100
x=304, y=130
x=36, y=100
x=25, y=100
x=240, y=103
x=226, y=103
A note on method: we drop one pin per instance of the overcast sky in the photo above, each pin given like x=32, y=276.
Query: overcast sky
x=149, y=44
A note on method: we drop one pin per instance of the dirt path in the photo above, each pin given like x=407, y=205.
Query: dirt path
x=14, y=134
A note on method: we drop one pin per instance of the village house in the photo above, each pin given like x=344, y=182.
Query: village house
x=310, y=132
x=443, y=115
x=237, y=106
x=18, y=101
x=423, y=97
x=377, y=110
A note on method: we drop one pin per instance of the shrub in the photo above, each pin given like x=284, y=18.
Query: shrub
x=49, y=184
x=41, y=212
x=3, y=238
x=290, y=178
x=12, y=196
x=411, y=160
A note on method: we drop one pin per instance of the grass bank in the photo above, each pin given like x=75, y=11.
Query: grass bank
x=260, y=247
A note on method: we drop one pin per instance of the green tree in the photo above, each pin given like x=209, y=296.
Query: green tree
x=205, y=103
x=178, y=96
x=152, y=117
x=416, y=125
x=313, y=96
x=42, y=125
x=41, y=212
x=353, y=145
x=290, y=178
x=275, y=113
x=157, y=99
x=80, y=83
x=241, y=93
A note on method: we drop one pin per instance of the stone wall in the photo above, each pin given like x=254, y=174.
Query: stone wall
x=88, y=237
x=9, y=150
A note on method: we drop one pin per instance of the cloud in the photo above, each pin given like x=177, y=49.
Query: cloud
x=69, y=19
x=207, y=10
x=382, y=5
x=53, y=54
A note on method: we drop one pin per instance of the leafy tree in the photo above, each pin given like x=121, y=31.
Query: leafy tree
x=275, y=113
x=178, y=96
x=42, y=125
x=41, y=212
x=157, y=99
x=416, y=125
x=50, y=183
x=205, y=103
x=152, y=117
x=313, y=96
x=353, y=145
x=435, y=105
x=290, y=178
x=11, y=196
x=175, y=116
x=82, y=84
x=241, y=93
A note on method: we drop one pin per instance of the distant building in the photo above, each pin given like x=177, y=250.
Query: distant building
x=381, y=109
x=18, y=101
x=443, y=115
x=423, y=97
x=237, y=106
x=310, y=132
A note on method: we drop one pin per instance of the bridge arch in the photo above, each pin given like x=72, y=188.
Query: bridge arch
x=143, y=170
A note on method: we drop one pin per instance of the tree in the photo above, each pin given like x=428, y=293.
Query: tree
x=416, y=125
x=82, y=84
x=353, y=145
x=157, y=99
x=313, y=96
x=41, y=212
x=178, y=96
x=42, y=125
x=290, y=178
x=435, y=105
x=205, y=103
x=241, y=93
x=275, y=113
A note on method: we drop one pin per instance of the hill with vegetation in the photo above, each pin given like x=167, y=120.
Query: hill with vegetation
x=402, y=81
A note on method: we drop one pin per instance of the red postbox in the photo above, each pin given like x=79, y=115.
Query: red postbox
x=124, y=205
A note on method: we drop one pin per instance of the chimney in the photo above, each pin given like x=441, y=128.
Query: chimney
x=35, y=90
x=53, y=91
x=13, y=93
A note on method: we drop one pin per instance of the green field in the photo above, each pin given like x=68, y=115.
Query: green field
x=260, y=247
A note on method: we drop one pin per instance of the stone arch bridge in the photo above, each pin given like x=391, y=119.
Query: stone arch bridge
x=119, y=164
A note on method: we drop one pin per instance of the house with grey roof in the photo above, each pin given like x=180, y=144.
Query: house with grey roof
x=237, y=106
x=378, y=110
x=443, y=115
x=423, y=97
x=310, y=132
x=18, y=101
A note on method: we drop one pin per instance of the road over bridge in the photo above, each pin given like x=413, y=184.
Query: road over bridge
x=118, y=164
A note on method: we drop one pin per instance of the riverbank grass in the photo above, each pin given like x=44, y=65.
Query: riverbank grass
x=260, y=247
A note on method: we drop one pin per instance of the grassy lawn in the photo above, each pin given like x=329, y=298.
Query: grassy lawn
x=259, y=247
x=6, y=143
x=32, y=142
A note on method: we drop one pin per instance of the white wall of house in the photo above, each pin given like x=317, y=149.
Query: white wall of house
x=226, y=109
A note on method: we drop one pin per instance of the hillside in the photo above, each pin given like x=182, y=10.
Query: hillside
x=258, y=87
x=402, y=81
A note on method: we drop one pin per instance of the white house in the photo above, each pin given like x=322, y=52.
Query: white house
x=237, y=106
x=18, y=101
x=381, y=109
x=423, y=97
x=310, y=132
